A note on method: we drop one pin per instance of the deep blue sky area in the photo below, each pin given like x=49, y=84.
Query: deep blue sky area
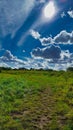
x=36, y=34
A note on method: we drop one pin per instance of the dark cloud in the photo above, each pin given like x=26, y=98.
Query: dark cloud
x=63, y=37
x=46, y=41
x=52, y=52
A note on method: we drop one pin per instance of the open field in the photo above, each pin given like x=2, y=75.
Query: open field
x=36, y=100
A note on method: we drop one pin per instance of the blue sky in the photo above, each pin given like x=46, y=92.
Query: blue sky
x=28, y=39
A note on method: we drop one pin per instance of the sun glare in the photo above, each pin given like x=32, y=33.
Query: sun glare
x=49, y=10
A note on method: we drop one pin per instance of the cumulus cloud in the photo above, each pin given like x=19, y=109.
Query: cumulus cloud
x=45, y=41
x=70, y=13
x=65, y=55
x=2, y=64
x=11, y=60
x=52, y=52
x=60, y=64
x=49, y=58
x=63, y=37
x=7, y=57
x=8, y=60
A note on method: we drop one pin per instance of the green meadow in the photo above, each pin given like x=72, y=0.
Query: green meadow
x=36, y=100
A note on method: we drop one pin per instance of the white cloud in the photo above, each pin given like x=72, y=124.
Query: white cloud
x=49, y=64
x=11, y=60
x=64, y=60
x=54, y=58
x=35, y=34
x=53, y=54
x=63, y=37
x=24, y=51
x=8, y=56
x=70, y=13
x=63, y=15
x=42, y=1
x=65, y=55
x=3, y=65
x=46, y=41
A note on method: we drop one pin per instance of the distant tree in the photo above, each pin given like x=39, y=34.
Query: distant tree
x=0, y=71
x=70, y=69
x=41, y=69
x=5, y=68
x=50, y=70
x=32, y=69
x=22, y=68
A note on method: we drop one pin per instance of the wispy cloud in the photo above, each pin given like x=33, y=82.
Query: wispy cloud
x=35, y=34
x=42, y=1
x=13, y=14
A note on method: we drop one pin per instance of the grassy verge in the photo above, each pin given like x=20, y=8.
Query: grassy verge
x=36, y=100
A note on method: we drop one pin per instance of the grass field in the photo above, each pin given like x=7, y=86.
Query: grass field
x=36, y=100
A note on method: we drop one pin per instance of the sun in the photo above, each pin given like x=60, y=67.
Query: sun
x=49, y=10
